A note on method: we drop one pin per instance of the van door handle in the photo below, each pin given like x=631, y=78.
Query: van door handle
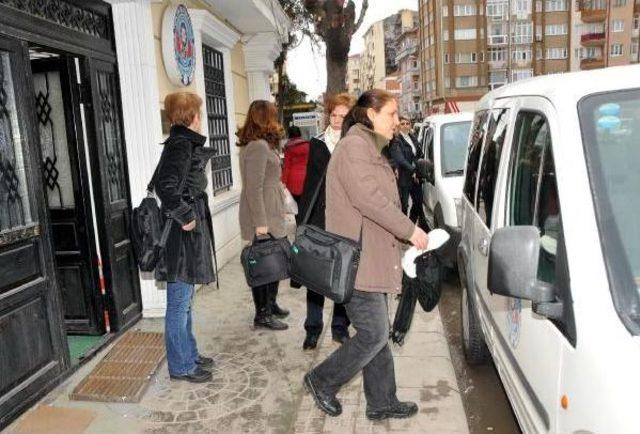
x=483, y=247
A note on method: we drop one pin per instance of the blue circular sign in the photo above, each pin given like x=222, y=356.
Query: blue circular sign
x=184, y=45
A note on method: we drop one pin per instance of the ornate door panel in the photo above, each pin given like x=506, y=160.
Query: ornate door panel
x=32, y=346
x=120, y=267
x=67, y=195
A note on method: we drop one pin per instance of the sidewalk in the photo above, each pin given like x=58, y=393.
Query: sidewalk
x=257, y=382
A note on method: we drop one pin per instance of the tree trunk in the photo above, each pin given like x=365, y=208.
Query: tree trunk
x=338, y=43
x=336, y=76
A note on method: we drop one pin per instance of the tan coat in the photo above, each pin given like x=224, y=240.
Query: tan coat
x=262, y=196
x=362, y=193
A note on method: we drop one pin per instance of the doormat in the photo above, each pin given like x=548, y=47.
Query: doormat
x=55, y=420
x=125, y=372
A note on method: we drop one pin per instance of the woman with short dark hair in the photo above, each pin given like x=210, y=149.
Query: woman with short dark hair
x=180, y=183
x=262, y=207
x=363, y=204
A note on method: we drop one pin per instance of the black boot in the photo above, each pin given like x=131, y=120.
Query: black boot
x=263, y=316
x=276, y=310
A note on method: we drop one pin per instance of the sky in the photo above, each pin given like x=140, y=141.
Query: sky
x=306, y=64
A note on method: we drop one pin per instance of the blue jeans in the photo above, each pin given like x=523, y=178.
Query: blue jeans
x=182, y=350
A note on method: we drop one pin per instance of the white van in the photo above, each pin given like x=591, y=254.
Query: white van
x=445, y=143
x=549, y=259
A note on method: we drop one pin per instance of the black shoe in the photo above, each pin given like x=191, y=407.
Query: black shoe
x=269, y=322
x=199, y=375
x=340, y=338
x=327, y=403
x=311, y=341
x=399, y=410
x=204, y=362
x=279, y=312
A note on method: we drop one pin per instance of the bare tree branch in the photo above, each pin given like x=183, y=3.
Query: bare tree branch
x=363, y=11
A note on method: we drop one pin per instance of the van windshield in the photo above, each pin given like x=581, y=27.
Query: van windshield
x=610, y=126
x=453, y=140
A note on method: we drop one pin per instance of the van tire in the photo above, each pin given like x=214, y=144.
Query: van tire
x=473, y=343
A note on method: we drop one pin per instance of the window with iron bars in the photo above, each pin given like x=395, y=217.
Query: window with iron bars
x=217, y=118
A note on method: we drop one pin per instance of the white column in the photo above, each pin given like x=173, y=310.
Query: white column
x=260, y=51
x=133, y=29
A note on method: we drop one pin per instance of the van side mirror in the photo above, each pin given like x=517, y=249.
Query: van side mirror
x=513, y=265
x=425, y=170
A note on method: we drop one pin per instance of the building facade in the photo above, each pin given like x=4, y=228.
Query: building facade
x=354, y=84
x=409, y=74
x=379, y=58
x=468, y=48
x=81, y=91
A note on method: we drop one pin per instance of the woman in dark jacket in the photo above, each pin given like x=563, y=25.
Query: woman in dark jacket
x=262, y=208
x=187, y=260
x=296, y=155
x=319, y=155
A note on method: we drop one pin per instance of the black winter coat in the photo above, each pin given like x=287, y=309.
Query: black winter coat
x=405, y=160
x=188, y=254
x=317, y=163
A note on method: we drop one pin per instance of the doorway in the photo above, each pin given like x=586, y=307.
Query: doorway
x=66, y=171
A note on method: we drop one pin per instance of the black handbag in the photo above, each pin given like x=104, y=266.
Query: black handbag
x=266, y=260
x=324, y=262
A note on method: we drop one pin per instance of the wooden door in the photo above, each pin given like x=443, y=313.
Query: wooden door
x=32, y=342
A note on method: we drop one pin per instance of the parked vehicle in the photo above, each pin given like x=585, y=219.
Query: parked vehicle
x=549, y=259
x=445, y=143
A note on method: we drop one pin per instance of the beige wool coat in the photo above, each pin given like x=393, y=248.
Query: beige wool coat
x=262, y=196
x=362, y=194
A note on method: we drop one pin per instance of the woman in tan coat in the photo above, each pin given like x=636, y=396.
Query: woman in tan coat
x=363, y=203
x=262, y=208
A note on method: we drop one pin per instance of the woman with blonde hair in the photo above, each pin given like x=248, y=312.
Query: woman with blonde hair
x=262, y=207
x=320, y=150
x=180, y=183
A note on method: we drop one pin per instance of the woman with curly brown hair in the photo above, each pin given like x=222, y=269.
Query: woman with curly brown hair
x=262, y=207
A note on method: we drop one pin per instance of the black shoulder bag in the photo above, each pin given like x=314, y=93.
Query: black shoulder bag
x=324, y=262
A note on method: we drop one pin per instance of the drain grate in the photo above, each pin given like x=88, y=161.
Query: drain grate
x=124, y=373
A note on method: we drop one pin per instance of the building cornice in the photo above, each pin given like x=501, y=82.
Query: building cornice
x=260, y=51
x=205, y=22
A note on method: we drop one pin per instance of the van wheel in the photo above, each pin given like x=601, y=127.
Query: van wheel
x=473, y=344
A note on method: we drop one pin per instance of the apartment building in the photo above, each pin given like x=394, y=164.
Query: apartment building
x=468, y=47
x=354, y=85
x=409, y=74
x=378, y=59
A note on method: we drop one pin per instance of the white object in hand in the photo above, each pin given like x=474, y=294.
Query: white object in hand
x=437, y=238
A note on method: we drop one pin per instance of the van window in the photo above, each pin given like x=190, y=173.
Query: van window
x=533, y=188
x=453, y=146
x=497, y=131
x=473, y=155
x=428, y=144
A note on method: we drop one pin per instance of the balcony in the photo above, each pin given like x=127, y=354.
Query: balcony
x=592, y=63
x=593, y=39
x=497, y=64
x=635, y=33
x=497, y=40
x=593, y=15
x=522, y=39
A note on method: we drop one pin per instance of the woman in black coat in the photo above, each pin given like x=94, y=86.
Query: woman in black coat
x=320, y=150
x=180, y=184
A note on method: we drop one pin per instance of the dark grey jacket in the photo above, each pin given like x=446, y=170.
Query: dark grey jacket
x=188, y=254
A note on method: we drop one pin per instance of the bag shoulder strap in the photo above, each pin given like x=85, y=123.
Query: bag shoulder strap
x=314, y=198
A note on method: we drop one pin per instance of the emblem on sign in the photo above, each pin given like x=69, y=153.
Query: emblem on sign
x=178, y=45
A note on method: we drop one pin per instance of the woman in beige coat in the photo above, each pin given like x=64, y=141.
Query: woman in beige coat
x=363, y=203
x=262, y=208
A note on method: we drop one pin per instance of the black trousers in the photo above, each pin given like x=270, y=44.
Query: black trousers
x=314, y=324
x=264, y=297
x=367, y=351
x=415, y=191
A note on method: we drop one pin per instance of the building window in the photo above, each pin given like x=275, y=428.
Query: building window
x=496, y=10
x=447, y=82
x=466, y=58
x=464, y=10
x=538, y=5
x=556, y=6
x=636, y=22
x=446, y=58
x=618, y=26
x=523, y=33
x=634, y=51
x=522, y=7
x=556, y=53
x=445, y=11
x=521, y=74
x=217, y=118
x=445, y=35
x=465, y=34
x=467, y=81
x=497, y=54
x=556, y=29
x=521, y=54
x=619, y=3
x=616, y=50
